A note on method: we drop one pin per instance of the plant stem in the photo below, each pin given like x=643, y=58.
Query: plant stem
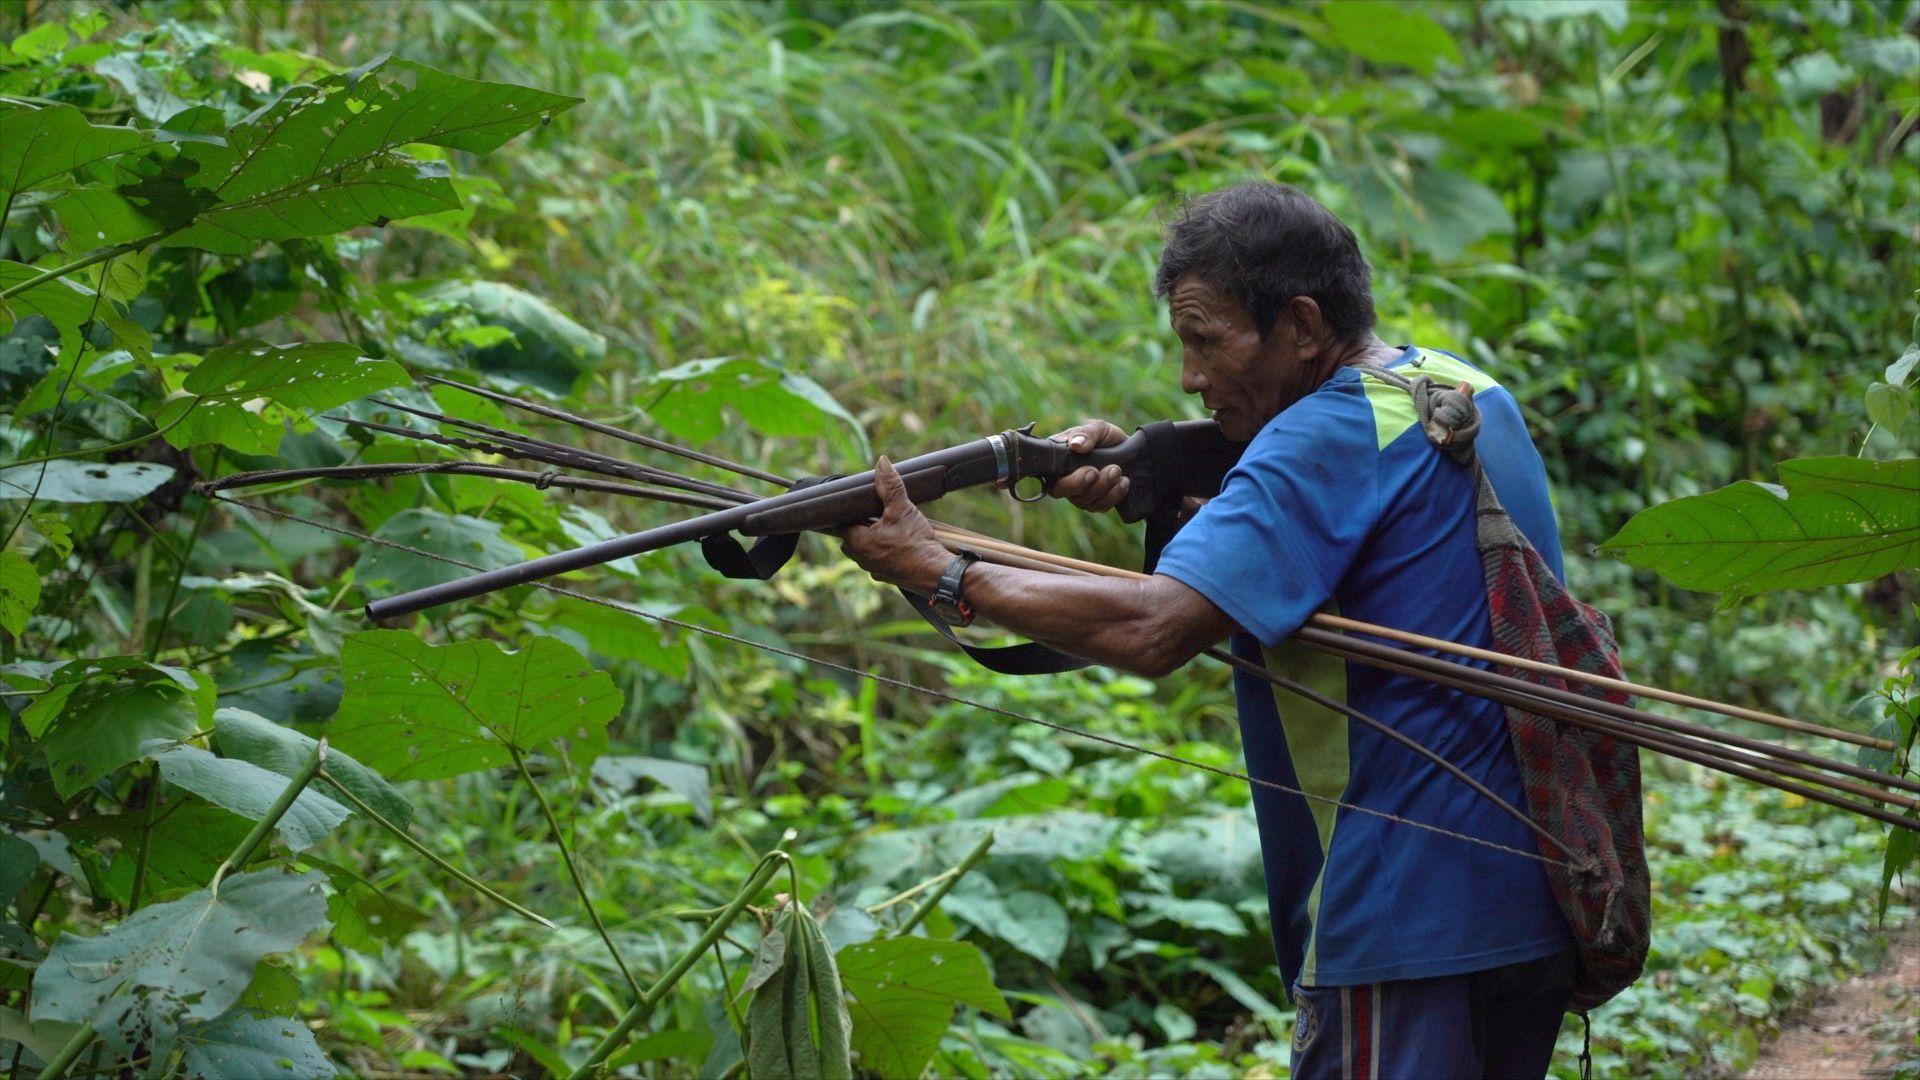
x=573, y=870
x=769, y=866
x=979, y=852
x=252, y=841
x=427, y=853
x=180, y=566
x=68, y=1054
x=110, y=447
x=146, y=838
x=1629, y=266
x=85, y=261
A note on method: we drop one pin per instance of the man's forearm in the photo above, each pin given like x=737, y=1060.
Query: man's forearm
x=1142, y=625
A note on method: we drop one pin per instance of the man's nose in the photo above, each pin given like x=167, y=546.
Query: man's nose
x=1191, y=381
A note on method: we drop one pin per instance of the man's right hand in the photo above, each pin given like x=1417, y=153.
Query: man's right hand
x=1089, y=488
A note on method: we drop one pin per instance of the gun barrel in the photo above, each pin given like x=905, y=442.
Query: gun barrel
x=843, y=501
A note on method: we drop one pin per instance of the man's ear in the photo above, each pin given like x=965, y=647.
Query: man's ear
x=1305, y=327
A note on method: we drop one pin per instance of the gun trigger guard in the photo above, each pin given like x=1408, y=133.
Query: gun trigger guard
x=1039, y=493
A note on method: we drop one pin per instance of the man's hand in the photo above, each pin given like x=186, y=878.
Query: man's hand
x=1089, y=488
x=898, y=547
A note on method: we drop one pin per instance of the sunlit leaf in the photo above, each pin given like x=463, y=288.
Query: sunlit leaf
x=1838, y=519
x=1390, y=33
x=415, y=711
x=174, y=964
x=901, y=993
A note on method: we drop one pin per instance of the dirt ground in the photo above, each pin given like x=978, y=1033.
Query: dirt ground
x=1858, y=1029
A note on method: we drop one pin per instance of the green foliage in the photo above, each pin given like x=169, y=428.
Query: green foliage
x=782, y=228
x=415, y=711
x=797, y=1024
x=1836, y=520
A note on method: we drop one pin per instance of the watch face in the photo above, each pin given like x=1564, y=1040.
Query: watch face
x=948, y=611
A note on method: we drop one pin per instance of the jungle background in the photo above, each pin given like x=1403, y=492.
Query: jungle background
x=1687, y=236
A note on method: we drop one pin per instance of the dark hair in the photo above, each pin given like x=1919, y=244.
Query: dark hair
x=1264, y=244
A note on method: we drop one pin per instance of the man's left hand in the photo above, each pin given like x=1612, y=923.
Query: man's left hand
x=898, y=547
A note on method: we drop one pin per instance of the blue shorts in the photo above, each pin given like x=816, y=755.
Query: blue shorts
x=1496, y=1023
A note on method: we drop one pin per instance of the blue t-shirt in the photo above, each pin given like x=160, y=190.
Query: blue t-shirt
x=1342, y=504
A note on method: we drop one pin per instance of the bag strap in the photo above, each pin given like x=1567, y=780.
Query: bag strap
x=1451, y=420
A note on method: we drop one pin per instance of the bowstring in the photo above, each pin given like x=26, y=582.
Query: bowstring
x=903, y=684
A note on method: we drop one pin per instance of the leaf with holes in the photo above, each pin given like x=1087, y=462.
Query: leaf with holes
x=1838, y=519
x=70, y=481
x=416, y=711
x=244, y=1043
x=179, y=963
x=248, y=790
x=244, y=394
x=39, y=145
x=322, y=159
x=902, y=993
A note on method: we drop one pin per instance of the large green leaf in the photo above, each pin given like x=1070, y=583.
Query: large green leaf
x=694, y=397
x=71, y=481
x=253, y=738
x=687, y=781
x=1838, y=519
x=38, y=145
x=244, y=1043
x=189, y=839
x=902, y=993
x=1390, y=33
x=178, y=963
x=248, y=790
x=69, y=306
x=1032, y=922
x=19, y=591
x=245, y=393
x=474, y=541
x=322, y=158
x=549, y=349
x=416, y=711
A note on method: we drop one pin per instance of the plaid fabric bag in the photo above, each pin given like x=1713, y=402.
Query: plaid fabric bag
x=1582, y=787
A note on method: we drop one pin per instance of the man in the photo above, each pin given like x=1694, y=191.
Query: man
x=1409, y=953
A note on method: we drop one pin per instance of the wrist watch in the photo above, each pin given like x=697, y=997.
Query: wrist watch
x=946, y=601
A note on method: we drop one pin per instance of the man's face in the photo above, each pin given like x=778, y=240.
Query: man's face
x=1245, y=379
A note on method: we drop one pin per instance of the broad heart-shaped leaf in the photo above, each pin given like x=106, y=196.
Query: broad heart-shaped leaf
x=416, y=711
x=106, y=721
x=248, y=790
x=246, y=1043
x=38, y=145
x=244, y=393
x=1838, y=519
x=179, y=963
x=71, y=481
x=253, y=738
x=321, y=158
x=902, y=993
x=1390, y=33
x=1032, y=922
x=19, y=591
x=472, y=540
x=798, y=1024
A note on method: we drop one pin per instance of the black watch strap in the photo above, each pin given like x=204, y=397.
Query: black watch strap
x=946, y=600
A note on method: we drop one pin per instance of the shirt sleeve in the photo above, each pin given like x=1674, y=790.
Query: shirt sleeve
x=1290, y=518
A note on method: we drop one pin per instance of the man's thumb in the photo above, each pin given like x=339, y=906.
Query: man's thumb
x=888, y=482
